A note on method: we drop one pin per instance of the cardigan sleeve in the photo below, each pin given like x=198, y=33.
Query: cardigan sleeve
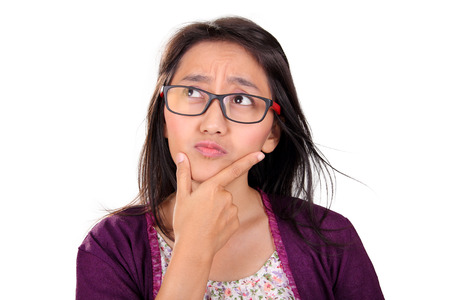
x=97, y=279
x=355, y=275
x=114, y=261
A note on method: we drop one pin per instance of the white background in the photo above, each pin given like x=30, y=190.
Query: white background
x=76, y=77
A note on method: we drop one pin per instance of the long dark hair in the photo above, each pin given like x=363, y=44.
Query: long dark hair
x=293, y=169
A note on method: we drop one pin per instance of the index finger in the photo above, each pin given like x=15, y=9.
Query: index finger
x=236, y=169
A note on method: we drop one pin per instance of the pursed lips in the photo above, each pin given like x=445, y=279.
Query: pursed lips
x=210, y=149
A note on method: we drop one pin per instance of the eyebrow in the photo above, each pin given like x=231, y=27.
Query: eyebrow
x=197, y=78
x=242, y=81
x=233, y=79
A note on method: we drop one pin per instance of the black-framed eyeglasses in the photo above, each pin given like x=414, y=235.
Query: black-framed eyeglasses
x=236, y=107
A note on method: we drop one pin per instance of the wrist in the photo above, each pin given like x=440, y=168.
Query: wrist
x=191, y=252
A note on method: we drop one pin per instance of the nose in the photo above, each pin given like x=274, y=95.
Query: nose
x=213, y=120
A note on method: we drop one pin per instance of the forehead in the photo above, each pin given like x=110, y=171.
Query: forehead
x=219, y=60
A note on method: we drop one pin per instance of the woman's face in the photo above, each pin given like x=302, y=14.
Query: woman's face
x=210, y=141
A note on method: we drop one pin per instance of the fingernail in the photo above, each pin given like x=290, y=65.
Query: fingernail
x=260, y=156
x=180, y=158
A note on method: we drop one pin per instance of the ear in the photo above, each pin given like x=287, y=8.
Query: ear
x=272, y=140
x=165, y=130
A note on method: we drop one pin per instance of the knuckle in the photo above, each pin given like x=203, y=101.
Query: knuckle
x=228, y=198
x=233, y=220
x=225, y=198
x=214, y=188
x=234, y=210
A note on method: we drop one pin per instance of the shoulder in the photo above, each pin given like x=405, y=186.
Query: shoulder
x=341, y=268
x=307, y=215
x=114, y=261
x=311, y=227
x=117, y=235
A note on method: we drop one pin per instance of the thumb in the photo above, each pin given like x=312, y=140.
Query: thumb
x=183, y=175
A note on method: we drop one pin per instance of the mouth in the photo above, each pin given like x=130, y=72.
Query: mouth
x=210, y=149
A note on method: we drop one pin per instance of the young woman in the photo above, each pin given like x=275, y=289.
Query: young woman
x=227, y=176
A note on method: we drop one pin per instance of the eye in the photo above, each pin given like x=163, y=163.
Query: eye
x=242, y=100
x=191, y=92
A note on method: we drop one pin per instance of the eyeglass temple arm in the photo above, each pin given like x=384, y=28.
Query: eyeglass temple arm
x=276, y=107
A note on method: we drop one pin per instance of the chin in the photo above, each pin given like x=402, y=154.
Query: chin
x=203, y=170
x=202, y=175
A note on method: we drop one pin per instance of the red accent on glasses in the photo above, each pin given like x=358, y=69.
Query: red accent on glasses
x=276, y=107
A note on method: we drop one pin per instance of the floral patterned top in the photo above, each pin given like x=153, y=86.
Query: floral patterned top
x=269, y=282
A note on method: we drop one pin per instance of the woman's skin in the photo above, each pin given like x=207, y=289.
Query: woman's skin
x=220, y=228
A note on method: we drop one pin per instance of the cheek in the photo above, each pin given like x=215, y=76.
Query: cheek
x=173, y=125
x=178, y=131
x=253, y=139
x=172, y=128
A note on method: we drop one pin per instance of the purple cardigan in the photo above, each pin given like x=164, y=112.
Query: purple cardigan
x=120, y=259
